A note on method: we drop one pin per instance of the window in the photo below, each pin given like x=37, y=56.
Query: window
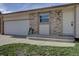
x=44, y=17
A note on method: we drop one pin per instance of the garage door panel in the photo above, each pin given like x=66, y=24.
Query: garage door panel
x=16, y=27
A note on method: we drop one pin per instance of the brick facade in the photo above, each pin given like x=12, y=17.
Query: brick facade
x=34, y=22
x=55, y=22
x=56, y=19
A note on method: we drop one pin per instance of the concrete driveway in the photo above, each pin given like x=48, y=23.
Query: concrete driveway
x=6, y=39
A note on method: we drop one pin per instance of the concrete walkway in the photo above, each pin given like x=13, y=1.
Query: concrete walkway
x=9, y=40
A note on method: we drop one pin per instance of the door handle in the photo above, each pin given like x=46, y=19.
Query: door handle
x=72, y=23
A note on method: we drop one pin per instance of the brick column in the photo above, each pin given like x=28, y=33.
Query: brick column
x=56, y=22
x=34, y=22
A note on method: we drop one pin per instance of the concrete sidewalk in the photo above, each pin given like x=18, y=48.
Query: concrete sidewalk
x=5, y=39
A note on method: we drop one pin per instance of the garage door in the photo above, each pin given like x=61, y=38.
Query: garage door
x=16, y=27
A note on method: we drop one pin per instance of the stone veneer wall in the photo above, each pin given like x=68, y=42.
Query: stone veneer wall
x=56, y=20
x=34, y=22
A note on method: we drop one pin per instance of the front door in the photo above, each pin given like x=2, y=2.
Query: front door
x=68, y=22
x=44, y=29
x=44, y=24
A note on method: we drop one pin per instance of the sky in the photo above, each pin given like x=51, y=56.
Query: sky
x=14, y=7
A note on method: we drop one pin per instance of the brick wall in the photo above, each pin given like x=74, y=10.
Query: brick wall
x=34, y=22
x=56, y=22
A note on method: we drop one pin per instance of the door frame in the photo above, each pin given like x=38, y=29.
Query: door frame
x=45, y=22
x=74, y=22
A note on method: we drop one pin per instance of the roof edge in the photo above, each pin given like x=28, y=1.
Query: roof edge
x=43, y=8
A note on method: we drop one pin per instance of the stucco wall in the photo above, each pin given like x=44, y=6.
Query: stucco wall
x=17, y=16
x=77, y=21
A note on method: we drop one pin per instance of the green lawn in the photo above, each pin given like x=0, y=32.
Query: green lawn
x=33, y=50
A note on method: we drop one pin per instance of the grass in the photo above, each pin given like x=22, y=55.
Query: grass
x=33, y=50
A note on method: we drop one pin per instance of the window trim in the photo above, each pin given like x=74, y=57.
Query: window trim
x=43, y=21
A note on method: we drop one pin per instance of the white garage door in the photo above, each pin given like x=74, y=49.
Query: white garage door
x=16, y=27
